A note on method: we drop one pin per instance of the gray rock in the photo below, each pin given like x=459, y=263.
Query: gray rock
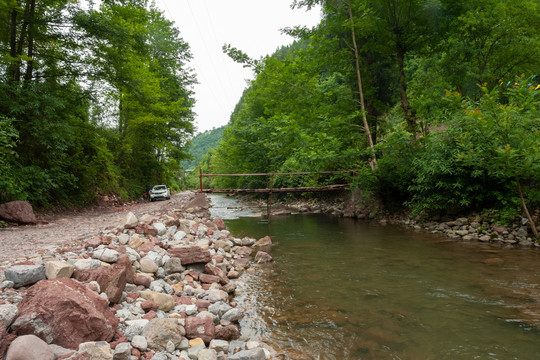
x=155, y=257
x=173, y=265
x=29, y=347
x=7, y=284
x=123, y=239
x=122, y=351
x=193, y=352
x=253, y=354
x=521, y=233
x=233, y=315
x=159, y=356
x=219, y=345
x=170, y=347
x=139, y=342
x=8, y=313
x=207, y=354
x=23, y=275
x=159, y=332
x=106, y=255
x=180, y=235
x=134, y=327
x=217, y=295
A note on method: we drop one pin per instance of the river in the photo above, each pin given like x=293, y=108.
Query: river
x=346, y=289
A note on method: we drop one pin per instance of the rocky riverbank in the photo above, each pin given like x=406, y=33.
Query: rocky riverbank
x=158, y=287
x=365, y=207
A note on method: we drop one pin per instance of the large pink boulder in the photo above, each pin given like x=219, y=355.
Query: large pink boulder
x=200, y=327
x=191, y=255
x=111, y=279
x=29, y=347
x=66, y=313
x=18, y=211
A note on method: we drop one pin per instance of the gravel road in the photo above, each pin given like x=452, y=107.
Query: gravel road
x=71, y=228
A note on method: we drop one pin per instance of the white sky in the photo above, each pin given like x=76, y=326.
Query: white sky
x=249, y=25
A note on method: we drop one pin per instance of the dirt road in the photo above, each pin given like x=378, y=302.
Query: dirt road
x=70, y=228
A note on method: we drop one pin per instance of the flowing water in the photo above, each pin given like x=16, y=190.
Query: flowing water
x=346, y=289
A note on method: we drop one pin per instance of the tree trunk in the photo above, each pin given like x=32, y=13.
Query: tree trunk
x=30, y=64
x=14, y=64
x=411, y=123
x=372, y=162
x=527, y=214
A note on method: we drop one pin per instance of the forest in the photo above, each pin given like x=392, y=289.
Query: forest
x=435, y=104
x=94, y=100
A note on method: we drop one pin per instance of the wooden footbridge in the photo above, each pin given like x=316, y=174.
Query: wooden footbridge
x=270, y=189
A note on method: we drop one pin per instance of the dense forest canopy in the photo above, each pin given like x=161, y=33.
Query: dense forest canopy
x=94, y=99
x=201, y=144
x=435, y=102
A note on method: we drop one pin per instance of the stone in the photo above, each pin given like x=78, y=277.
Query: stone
x=159, y=356
x=159, y=332
x=217, y=295
x=5, y=340
x=161, y=228
x=207, y=354
x=229, y=332
x=130, y=221
x=263, y=243
x=193, y=351
x=149, y=305
x=219, y=308
x=122, y=351
x=173, y=266
x=29, y=347
x=139, y=342
x=99, y=350
x=522, y=232
x=85, y=264
x=65, y=312
x=263, y=258
x=191, y=255
x=233, y=315
x=200, y=326
x=18, y=211
x=209, y=279
x=58, y=269
x=8, y=313
x=136, y=241
x=170, y=347
x=60, y=352
x=165, y=301
x=221, y=244
x=219, y=345
x=179, y=235
x=484, y=238
x=23, y=275
x=216, y=271
x=253, y=354
x=244, y=251
x=111, y=280
x=106, y=255
x=148, y=265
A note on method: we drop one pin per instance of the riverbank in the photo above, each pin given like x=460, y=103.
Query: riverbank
x=364, y=207
x=158, y=286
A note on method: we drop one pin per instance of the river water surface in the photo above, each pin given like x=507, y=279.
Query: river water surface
x=346, y=289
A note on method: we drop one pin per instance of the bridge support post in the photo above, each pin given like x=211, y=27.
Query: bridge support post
x=200, y=179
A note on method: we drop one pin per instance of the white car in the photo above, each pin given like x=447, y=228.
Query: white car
x=160, y=192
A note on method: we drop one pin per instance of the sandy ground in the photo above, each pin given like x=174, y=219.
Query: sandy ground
x=69, y=228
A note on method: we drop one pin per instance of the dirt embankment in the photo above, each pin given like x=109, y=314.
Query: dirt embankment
x=68, y=228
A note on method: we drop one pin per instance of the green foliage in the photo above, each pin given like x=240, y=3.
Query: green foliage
x=201, y=144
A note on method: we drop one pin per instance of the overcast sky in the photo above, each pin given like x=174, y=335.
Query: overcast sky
x=249, y=25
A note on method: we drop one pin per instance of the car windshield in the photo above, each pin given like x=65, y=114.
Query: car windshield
x=159, y=188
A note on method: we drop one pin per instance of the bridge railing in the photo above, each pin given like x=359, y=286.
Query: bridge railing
x=270, y=182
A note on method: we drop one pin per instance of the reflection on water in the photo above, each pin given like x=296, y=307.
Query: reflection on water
x=343, y=289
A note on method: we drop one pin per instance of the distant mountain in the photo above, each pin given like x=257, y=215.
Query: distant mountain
x=200, y=145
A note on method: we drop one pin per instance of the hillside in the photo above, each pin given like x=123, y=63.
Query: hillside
x=200, y=145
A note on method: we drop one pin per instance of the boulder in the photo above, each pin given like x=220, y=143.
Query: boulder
x=208, y=279
x=29, y=347
x=84, y=264
x=106, y=255
x=233, y=315
x=219, y=345
x=148, y=265
x=160, y=227
x=58, y=269
x=264, y=243
x=200, y=327
x=23, y=275
x=191, y=255
x=159, y=332
x=173, y=266
x=18, y=211
x=66, y=313
x=262, y=258
x=111, y=279
x=130, y=221
x=220, y=224
x=214, y=270
x=122, y=351
x=253, y=354
x=217, y=295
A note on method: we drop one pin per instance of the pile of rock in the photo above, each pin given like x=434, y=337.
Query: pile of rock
x=156, y=287
x=476, y=230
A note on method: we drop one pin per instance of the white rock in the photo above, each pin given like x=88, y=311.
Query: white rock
x=139, y=342
x=179, y=235
x=123, y=238
x=148, y=265
x=207, y=354
x=130, y=221
x=106, y=255
x=58, y=269
x=100, y=350
x=219, y=345
x=191, y=310
x=8, y=313
x=160, y=227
